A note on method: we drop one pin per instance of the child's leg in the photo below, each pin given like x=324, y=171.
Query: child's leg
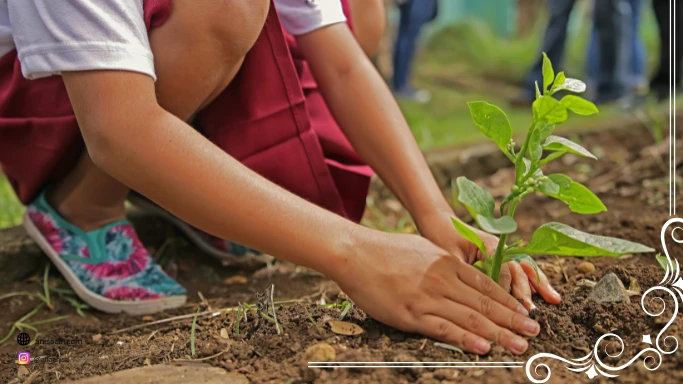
x=87, y=197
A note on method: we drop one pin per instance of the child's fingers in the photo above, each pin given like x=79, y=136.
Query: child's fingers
x=549, y=294
x=441, y=329
x=472, y=277
x=521, y=288
x=505, y=278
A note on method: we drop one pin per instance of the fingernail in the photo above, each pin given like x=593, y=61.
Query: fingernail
x=554, y=292
x=522, y=310
x=481, y=347
x=519, y=345
x=531, y=327
x=530, y=304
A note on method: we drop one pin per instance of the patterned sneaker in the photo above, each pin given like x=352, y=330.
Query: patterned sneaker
x=225, y=251
x=108, y=268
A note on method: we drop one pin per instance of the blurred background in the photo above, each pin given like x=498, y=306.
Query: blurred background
x=484, y=50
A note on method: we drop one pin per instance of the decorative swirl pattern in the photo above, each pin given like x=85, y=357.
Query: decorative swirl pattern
x=592, y=365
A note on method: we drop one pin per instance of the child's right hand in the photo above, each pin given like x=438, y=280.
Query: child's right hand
x=407, y=282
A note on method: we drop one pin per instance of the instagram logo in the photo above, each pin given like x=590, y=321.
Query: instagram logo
x=23, y=358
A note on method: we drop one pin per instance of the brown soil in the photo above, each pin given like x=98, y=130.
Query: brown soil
x=631, y=178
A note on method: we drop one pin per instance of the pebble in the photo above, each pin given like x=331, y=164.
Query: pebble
x=320, y=352
x=586, y=267
x=609, y=290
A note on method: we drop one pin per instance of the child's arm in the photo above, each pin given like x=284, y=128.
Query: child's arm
x=402, y=280
x=370, y=117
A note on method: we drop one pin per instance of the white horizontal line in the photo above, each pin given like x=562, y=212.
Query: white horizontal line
x=416, y=366
x=416, y=362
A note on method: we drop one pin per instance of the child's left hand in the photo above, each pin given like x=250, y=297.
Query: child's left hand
x=520, y=277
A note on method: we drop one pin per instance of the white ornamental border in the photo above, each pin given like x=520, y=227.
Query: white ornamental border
x=592, y=365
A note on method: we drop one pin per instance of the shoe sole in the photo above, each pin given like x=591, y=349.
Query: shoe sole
x=225, y=258
x=135, y=308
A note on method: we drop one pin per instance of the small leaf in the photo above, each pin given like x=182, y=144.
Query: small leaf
x=538, y=91
x=549, y=187
x=505, y=224
x=579, y=105
x=492, y=122
x=480, y=266
x=345, y=328
x=548, y=73
x=572, y=85
x=469, y=234
x=562, y=240
x=475, y=198
x=546, y=130
x=548, y=110
x=560, y=144
x=535, y=149
x=527, y=259
x=480, y=205
x=559, y=80
x=579, y=198
x=664, y=262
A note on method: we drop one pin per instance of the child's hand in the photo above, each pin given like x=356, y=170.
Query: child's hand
x=520, y=277
x=407, y=282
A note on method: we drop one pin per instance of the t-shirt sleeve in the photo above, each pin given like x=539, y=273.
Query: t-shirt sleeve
x=52, y=36
x=303, y=16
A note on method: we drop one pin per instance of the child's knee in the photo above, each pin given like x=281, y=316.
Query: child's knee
x=200, y=48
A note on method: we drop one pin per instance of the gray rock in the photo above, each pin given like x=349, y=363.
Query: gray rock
x=609, y=290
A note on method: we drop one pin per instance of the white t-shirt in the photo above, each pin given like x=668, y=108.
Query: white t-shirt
x=52, y=36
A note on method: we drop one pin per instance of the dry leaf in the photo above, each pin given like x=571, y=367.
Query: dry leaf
x=345, y=328
x=22, y=371
x=224, y=333
x=238, y=279
x=634, y=286
x=148, y=361
x=97, y=337
x=147, y=318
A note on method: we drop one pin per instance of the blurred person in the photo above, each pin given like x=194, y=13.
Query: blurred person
x=553, y=45
x=615, y=25
x=661, y=83
x=609, y=22
x=415, y=14
x=368, y=23
x=634, y=55
x=101, y=98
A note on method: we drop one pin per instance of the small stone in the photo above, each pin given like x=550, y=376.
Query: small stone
x=443, y=374
x=97, y=337
x=586, y=267
x=609, y=290
x=320, y=352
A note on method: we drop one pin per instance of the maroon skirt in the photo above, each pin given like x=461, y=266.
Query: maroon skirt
x=286, y=133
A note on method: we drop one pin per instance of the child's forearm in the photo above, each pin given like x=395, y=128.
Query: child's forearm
x=153, y=152
x=370, y=117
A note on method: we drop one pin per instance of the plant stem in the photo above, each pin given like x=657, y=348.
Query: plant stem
x=498, y=256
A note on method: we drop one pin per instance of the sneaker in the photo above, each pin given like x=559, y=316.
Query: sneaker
x=420, y=96
x=108, y=268
x=227, y=252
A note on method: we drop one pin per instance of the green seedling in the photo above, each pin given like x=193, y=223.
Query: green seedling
x=192, y=334
x=540, y=147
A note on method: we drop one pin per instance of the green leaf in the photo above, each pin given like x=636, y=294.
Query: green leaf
x=492, y=122
x=524, y=258
x=535, y=149
x=579, y=105
x=572, y=85
x=538, y=91
x=562, y=240
x=579, y=198
x=560, y=144
x=546, y=130
x=481, y=266
x=664, y=262
x=480, y=205
x=548, y=110
x=469, y=234
x=548, y=73
x=559, y=80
